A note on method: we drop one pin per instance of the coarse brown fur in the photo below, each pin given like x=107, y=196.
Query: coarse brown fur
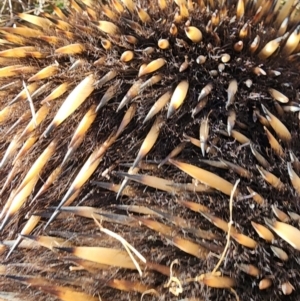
x=34, y=272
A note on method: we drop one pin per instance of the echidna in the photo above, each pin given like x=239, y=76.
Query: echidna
x=150, y=151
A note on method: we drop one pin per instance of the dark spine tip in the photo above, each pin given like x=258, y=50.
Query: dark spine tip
x=49, y=129
x=66, y=249
x=52, y=218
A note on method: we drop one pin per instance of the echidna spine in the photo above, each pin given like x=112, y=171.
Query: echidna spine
x=125, y=126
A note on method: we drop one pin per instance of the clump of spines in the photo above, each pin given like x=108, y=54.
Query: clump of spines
x=218, y=75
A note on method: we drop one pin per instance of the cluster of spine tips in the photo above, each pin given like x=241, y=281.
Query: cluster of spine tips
x=150, y=150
